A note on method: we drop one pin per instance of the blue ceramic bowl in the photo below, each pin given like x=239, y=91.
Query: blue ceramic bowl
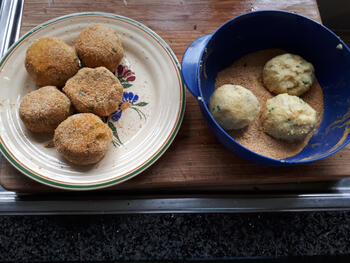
x=253, y=31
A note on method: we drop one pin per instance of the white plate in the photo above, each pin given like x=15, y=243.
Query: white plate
x=146, y=127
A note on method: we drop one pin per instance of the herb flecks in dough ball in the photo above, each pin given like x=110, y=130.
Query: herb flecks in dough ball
x=288, y=118
x=233, y=106
x=288, y=73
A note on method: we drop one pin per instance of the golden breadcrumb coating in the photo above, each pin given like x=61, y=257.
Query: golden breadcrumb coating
x=95, y=90
x=99, y=45
x=83, y=139
x=44, y=109
x=50, y=61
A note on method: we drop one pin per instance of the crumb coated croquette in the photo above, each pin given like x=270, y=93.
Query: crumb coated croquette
x=44, y=109
x=94, y=90
x=98, y=45
x=50, y=61
x=83, y=139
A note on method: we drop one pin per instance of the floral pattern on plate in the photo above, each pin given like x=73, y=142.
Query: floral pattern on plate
x=130, y=101
x=125, y=75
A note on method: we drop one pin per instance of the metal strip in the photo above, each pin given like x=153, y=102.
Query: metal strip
x=10, y=23
x=175, y=204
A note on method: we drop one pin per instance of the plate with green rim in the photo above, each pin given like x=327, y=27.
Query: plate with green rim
x=144, y=125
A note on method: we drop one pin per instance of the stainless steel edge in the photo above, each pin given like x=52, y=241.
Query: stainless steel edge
x=12, y=205
x=10, y=23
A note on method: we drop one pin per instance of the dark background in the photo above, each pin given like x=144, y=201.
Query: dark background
x=173, y=237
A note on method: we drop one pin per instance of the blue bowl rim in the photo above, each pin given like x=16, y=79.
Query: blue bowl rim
x=272, y=160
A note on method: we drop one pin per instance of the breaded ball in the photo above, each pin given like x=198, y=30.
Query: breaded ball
x=233, y=106
x=288, y=73
x=94, y=90
x=83, y=139
x=99, y=45
x=288, y=118
x=50, y=61
x=44, y=109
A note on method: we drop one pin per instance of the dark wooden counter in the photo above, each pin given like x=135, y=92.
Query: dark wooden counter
x=195, y=161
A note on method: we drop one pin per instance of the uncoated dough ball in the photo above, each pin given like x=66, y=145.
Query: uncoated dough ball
x=233, y=106
x=288, y=73
x=50, y=61
x=288, y=118
x=99, y=45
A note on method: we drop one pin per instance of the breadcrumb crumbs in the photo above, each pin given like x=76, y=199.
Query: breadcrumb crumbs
x=247, y=72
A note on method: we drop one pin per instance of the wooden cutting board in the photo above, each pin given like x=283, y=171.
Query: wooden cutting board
x=195, y=160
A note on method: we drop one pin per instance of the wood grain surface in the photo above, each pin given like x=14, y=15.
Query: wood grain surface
x=195, y=160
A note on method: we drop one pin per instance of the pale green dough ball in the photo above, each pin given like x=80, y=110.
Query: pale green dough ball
x=233, y=106
x=288, y=73
x=288, y=118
